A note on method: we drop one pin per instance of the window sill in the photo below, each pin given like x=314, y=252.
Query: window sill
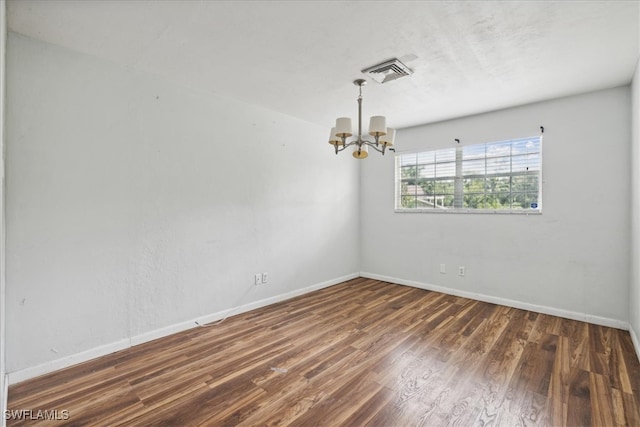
x=470, y=211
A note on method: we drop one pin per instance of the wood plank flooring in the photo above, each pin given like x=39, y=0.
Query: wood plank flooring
x=360, y=353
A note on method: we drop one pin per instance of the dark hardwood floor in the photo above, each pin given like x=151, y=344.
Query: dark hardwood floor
x=360, y=353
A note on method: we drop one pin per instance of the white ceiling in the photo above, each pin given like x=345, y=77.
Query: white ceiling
x=300, y=57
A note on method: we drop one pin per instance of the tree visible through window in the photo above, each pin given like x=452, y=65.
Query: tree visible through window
x=498, y=176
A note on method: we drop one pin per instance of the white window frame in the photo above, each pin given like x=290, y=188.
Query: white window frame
x=454, y=158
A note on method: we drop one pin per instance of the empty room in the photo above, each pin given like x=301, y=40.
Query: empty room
x=320, y=213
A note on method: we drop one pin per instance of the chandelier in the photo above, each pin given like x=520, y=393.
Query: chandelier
x=383, y=136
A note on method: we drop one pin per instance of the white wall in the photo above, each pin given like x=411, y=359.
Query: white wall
x=134, y=205
x=3, y=34
x=572, y=260
x=634, y=291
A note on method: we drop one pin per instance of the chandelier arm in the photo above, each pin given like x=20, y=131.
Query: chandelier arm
x=375, y=146
x=345, y=146
x=369, y=143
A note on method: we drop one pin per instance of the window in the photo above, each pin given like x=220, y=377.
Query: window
x=500, y=177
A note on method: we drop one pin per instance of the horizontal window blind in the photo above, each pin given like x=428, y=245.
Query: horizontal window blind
x=500, y=176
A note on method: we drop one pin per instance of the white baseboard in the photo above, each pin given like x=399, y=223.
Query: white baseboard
x=603, y=321
x=202, y=320
x=64, y=362
x=636, y=342
x=54, y=365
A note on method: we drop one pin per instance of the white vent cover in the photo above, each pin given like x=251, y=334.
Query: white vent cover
x=388, y=71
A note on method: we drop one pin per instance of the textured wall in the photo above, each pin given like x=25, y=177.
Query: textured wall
x=574, y=257
x=134, y=204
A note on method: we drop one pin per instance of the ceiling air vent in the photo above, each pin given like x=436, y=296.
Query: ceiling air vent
x=388, y=71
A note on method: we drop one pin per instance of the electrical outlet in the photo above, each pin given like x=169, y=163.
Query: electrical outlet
x=443, y=269
x=265, y=277
x=257, y=279
x=461, y=271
